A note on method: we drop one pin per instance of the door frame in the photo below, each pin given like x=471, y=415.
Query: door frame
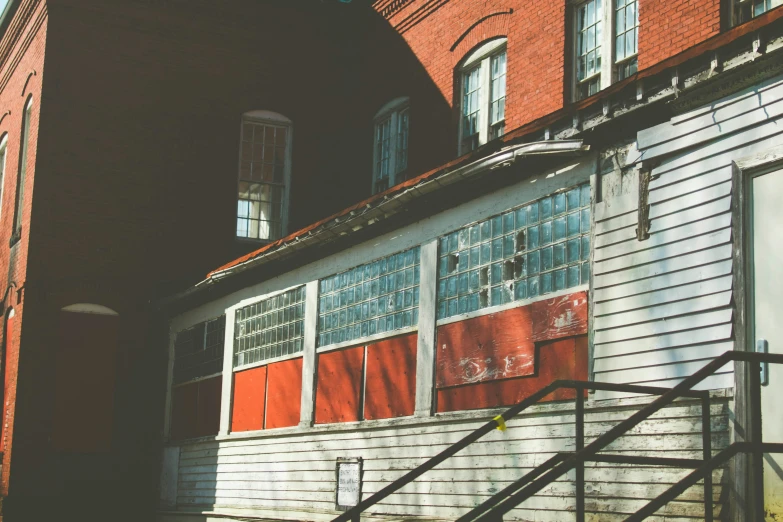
x=743, y=172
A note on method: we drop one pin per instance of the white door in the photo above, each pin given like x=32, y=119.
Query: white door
x=767, y=277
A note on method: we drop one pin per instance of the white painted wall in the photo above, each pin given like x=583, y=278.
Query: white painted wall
x=663, y=306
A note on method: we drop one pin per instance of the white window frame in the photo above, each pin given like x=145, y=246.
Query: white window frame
x=481, y=59
x=742, y=11
x=276, y=120
x=392, y=113
x=609, y=72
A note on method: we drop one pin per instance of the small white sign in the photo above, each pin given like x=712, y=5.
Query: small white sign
x=349, y=487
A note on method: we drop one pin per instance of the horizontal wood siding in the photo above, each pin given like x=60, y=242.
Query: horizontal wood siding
x=292, y=471
x=663, y=307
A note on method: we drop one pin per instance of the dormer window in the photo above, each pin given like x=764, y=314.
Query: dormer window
x=390, y=144
x=264, y=176
x=483, y=105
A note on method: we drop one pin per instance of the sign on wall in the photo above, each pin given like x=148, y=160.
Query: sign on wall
x=349, y=482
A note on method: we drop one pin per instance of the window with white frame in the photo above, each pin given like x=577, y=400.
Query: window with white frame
x=264, y=175
x=198, y=350
x=593, y=44
x=390, y=144
x=483, y=95
x=744, y=10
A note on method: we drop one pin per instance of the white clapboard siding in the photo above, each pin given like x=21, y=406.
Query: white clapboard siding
x=287, y=472
x=663, y=307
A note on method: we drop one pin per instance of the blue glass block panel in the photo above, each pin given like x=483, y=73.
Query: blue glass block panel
x=473, y=283
x=496, y=296
x=521, y=217
x=462, y=286
x=585, y=248
x=585, y=273
x=462, y=306
x=486, y=230
x=533, y=262
x=453, y=242
x=560, y=279
x=532, y=238
x=452, y=307
x=585, y=198
x=486, y=253
x=545, y=208
x=474, y=257
x=532, y=287
x=573, y=224
x=441, y=309
x=509, y=249
x=546, y=258
x=463, y=260
x=520, y=289
x=572, y=250
x=585, y=221
x=532, y=214
x=497, y=226
x=559, y=229
x=497, y=249
x=573, y=276
x=475, y=235
x=572, y=197
x=545, y=230
x=558, y=254
x=464, y=238
x=508, y=222
x=496, y=275
x=546, y=283
x=473, y=302
x=560, y=203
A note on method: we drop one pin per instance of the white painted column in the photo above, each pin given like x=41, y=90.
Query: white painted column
x=307, y=411
x=228, y=373
x=169, y=384
x=425, y=352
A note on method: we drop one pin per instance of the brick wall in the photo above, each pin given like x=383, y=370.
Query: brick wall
x=668, y=28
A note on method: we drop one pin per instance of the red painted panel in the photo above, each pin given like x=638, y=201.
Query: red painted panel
x=284, y=394
x=209, y=392
x=339, y=385
x=559, y=317
x=495, y=346
x=561, y=359
x=184, y=411
x=247, y=409
x=391, y=378
x=502, y=345
x=86, y=362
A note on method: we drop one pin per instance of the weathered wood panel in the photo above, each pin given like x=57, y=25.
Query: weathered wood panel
x=502, y=345
x=184, y=411
x=284, y=392
x=209, y=391
x=562, y=359
x=286, y=472
x=247, y=410
x=390, y=389
x=338, y=390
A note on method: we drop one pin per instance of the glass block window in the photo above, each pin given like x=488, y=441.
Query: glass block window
x=589, y=37
x=626, y=26
x=533, y=250
x=198, y=351
x=378, y=297
x=270, y=328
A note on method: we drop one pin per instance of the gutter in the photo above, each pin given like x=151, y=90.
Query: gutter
x=387, y=206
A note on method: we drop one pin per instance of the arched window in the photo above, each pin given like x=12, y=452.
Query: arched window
x=482, y=78
x=390, y=144
x=264, y=175
x=22, y=171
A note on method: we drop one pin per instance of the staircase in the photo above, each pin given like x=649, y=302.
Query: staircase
x=497, y=506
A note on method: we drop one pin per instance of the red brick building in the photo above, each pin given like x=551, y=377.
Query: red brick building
x=147, y=142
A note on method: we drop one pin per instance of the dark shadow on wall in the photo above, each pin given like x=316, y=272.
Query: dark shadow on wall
x=135, y=191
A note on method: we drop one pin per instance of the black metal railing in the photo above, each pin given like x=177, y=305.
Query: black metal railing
x=504, y=501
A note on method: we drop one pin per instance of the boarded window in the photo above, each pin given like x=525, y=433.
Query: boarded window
x=84, y=382
x=195, y=409
x=532, y=250
x=378, y=297
x=270, y=328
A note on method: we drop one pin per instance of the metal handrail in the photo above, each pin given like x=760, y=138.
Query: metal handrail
x=354, y=513
x=682, y=389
